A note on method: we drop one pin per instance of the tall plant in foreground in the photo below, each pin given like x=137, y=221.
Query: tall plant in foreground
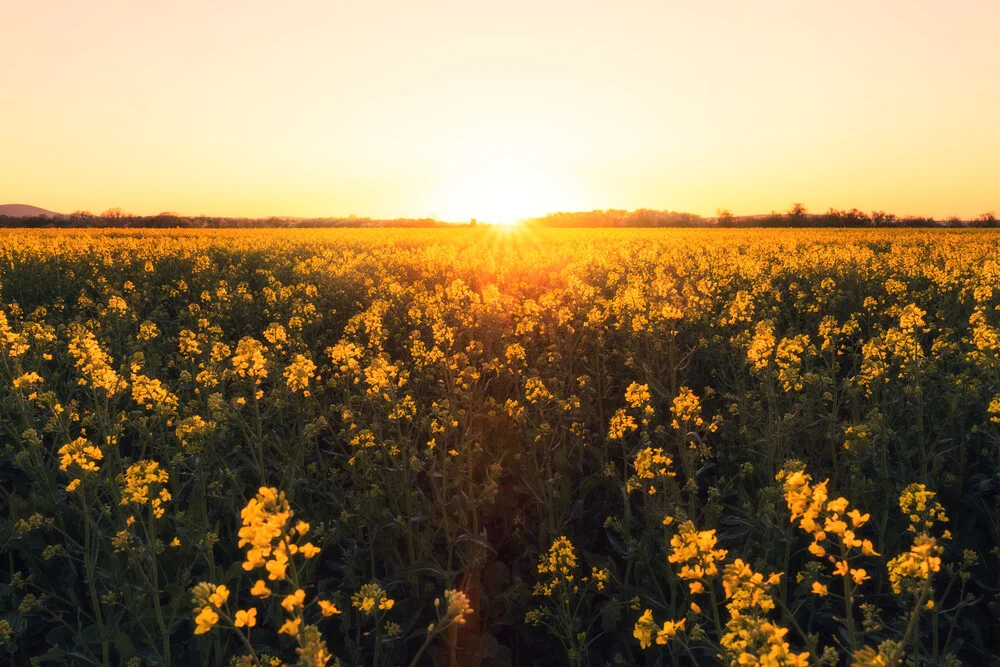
x=752, y=636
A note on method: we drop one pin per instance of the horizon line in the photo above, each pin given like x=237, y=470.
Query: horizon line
x=721, y=213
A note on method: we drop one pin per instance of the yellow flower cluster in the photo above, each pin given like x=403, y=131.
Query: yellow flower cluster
x=788, y=359
x=650, y=463
x=761, y=348
x=886, y=654
x=29, y=380
x=758, y=641
x=514, y=354
x=620, y=425
x=271, y=539
x=922, y=508
x=910, y=570
x=372, y=598
x=148, y=331
x=152, y=395
x=380, y=375
x=117, y=305
x=560, y=564
x=638, y=396
x=695, y=551
x=344, y=356
x=686, y=411
x=210, y=605
x=267, y=533
x=457, y=606
x=746, y=589
x=312, y=650
x=751, y=638
x=874, y=365
x=276, y=334
x=93, y=363
x=249, y=360
x=994, y=409
x=208, y=600
x=912, y=318
x=645, y=628
x=191, y=431
x=984, y=339
x=535, y=391
x=81, y=453
x=138, y=486
x=599, y=576
x=821, y=518
x=298, y=373
x=904, y=347
x=187, y=343
x=15, y=344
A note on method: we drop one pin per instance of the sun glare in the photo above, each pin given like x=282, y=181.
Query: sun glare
x=504, y=193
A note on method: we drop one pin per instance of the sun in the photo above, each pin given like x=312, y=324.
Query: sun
x=503, y=192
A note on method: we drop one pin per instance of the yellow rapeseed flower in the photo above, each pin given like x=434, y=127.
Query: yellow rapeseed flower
x=246, y=617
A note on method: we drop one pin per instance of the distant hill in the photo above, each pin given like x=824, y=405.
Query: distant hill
x=25, y=211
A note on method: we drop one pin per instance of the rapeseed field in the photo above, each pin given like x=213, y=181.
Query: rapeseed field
x=500, y=447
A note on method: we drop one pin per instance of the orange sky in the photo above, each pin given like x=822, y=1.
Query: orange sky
x=466, y=108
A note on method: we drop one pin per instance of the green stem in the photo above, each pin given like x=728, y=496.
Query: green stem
x=898, y=654
x=715, y=610
x=848, y=606
x=88, y=563
x=151, y=536
x=423, y=647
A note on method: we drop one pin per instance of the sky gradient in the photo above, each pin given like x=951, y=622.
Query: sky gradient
x=459, y=109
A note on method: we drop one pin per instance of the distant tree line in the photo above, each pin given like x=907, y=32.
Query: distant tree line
x=796, y=216
x=117, y=218
x=618, y=218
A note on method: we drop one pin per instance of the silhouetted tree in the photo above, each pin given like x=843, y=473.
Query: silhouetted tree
x=81, y=219
x=166, y=219
x=988, y=219
x=797, y=215
x=882, y=219
x=114, y=214
x=855, y=218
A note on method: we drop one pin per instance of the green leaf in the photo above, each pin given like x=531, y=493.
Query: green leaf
x=124, y=646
